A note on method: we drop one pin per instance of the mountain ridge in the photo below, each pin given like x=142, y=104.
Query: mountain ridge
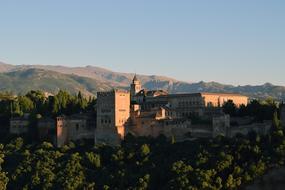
x=98, y=73
x=90, y=79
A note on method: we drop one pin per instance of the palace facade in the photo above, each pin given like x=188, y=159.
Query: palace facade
x=152, y=113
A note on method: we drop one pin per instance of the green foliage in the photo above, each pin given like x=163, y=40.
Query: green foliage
x=3, y=175
x=230, y=108
x=142, y=163
x=94, y=159
x=35, y=103
x=143, y=182
x=259, y=110
x=26, y=104
x=72, y=175
x=145, y=150
x=276, y=123
x=3, y=180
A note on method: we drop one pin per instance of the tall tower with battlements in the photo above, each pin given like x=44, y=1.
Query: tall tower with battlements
x=113, y=113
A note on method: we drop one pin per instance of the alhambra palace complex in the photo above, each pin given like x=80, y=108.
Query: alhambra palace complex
x=147, y=113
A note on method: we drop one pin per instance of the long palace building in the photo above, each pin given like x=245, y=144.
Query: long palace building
x=155, y=112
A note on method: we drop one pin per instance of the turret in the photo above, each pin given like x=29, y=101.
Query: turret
x=135, y=88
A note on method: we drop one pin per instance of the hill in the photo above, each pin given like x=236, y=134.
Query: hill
x=90, y=79
x=97, y=73
x=23, y=81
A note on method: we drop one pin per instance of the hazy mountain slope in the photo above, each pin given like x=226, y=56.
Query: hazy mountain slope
x=116, y=78
x=92, y=79
x=36, y=79
x=100, y=74
x=258, y=91
x=5, y=67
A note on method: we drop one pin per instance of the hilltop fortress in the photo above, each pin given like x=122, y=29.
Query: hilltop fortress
x=142, y=112
x=155, y=112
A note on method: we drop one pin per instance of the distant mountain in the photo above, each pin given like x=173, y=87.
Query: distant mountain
x=23, y=81
x=5, y=67
x=100, y=74
x=258, y=91
x=89, y=80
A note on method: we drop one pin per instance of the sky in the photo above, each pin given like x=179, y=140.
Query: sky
x=229, y=41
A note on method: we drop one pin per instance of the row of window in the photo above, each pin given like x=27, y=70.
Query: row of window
x=106, y=121
x=77, y=125
x=105, y=110
x=189, y=103
x=169, y=113
x=122, y=121
x=174, y=122
x=19, y=126
x=188, y=114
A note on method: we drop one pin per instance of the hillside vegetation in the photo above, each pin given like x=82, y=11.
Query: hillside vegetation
x=26, y=80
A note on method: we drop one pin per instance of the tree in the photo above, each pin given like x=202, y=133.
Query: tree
x=94, y=159
x=39, y=100
x=3, y=180
x=54, y=105
x=182, y=174
x=143, y=182
x=62, y=99
x=230, y=108
x=3, y=175
x=72, y=175
x=232, y=183
x=242, y=111
x=145, y=150
x=81, y=102
x=276, y=124
x=26, y=104
x=16, y=109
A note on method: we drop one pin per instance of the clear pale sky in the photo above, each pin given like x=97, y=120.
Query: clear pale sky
x=228, y=41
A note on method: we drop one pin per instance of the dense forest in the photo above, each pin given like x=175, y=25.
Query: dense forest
x=140, y=162
x=37, y=102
